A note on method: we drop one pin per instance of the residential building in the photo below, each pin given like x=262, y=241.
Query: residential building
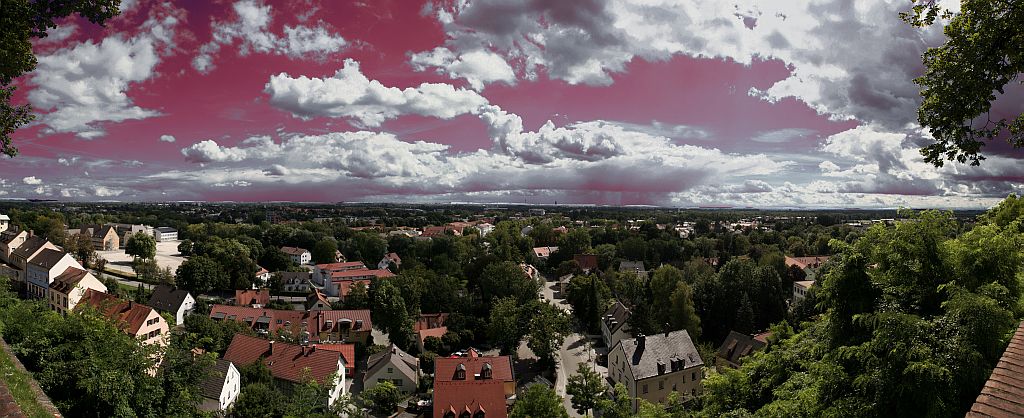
x=737, y=346
x=316, y=301
x=479, y=386
x=636, y=267
x=262, y=277
x=388, y=259
x=587, y=262
x=290, y=363
x=220, y=387
x=347, y=326
x=45, y=267
x=135, y=319
x=32, y=246
x=253, y=298
x=10, y=240
x=485, y=228
x=341, y=282
x=543, y=253
x=177, y=302
x=395, y=366
x=322, y=272
x=165, y=234
x=809, y=265
x=800, y=290
x=103, y=237
x=423, y=334
x=474, y=367
x=5, y=222
x=1003, y=393
x=430, y=320
x=125, y=231
x=295, y=281
x=69, y=287
x=298, y=256
x=614, y=324
x=652, y=367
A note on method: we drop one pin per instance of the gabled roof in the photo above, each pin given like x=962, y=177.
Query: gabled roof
x=806, y=262
x=404, y=362
x=348, y=265
x=293, y=250
x=68, y=280
x=1003, y=393
x=289, y=276
x=430, y=320
x=285, y=361
x=252, y=297
x=47, y=258
x=129, y=316
x=473, y=396
x=348, y=351
x=213, y=384
x=167, y=299
x=353, y=274
x=30, y=247
x=643, y=361
x=431, y=332
x=587, y=262
x=616, y=317
x=316, y=296
x=9, y=236
x=501, y=367
x=737, y=345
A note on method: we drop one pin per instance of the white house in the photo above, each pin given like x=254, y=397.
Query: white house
x=800, y=290
x=45, y=267
x=652, y=367
x=177, y=302
x=299, y=256
x=221, y=387
x=5, y=222
x=68, y=288
x=163, y=234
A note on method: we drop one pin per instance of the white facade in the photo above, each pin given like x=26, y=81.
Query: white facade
x=66, y=302
x=232, y=385
x=5, y=222
x=339, y=382
x=165, y=234
x=800, y=290
x=186, y=307
x=38, y=278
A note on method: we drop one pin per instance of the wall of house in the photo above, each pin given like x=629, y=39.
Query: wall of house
x=186, y=307
x=63, y=303
x=232, y=385
x=39, y=278
x=686, y=381
x=406, y=384
x=155, y=325
x=339, y=383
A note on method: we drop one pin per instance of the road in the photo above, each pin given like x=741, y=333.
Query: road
x=575, y=349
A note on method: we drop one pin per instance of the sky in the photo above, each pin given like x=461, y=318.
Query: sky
x=677, y=103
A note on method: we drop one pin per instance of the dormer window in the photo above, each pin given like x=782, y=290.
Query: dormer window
x=485, y=373
x=460, y=372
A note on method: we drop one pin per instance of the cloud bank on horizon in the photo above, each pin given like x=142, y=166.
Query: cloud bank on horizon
x=665, y=102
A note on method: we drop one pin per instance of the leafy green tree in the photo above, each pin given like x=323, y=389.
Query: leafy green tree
x=507, y=279
x=620, y=405
x=505, y=328
x=683, y=313
x=275, y=260
x=324, y=251
x=259, y=400
x=390, y=314
x=23, y=21
x=588, y=296
x=539, y=401
x=368, y=247
x=548, y=327
x=383, y=398
x=200, y=274
x=141, y=246
x=981, y=56
x=586, y=388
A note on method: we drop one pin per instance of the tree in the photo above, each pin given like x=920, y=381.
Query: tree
x=81, y=246
x=539, y=401
x=549, y=325
x=141, y=246
x=505, y=328
x=383, y=398
x=357, y=297
x=200, y=274
x=619, y=406
x=324, y=251
x=588, y=296
x=390, y=314
x=683, y=313
x=275, y=260
x=22, y=21
x=259, y=400
x=507, y=279
x=982, y=54
x=586, y=388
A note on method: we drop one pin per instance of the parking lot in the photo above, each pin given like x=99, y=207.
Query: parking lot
x=166, y=256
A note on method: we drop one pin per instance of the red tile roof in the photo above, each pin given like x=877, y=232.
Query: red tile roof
x=470, y=396
x=501, y=367
x=345, y=286
x=129, y=316
x=359, y=319
x=359, y=274
x=351, y=265
x=293, y=250
x=587, y=262
x=285, y=361
x=348, y=351
x=252, y=297
x=313, y=321
x=805, y=262
x=430, y=320
x=1003, y=394
x=431, y=332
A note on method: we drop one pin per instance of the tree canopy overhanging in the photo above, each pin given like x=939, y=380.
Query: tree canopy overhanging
x=983, y=53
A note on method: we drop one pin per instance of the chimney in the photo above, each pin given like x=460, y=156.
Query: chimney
x=270, y=349
x=666, y=329
x=641, y=341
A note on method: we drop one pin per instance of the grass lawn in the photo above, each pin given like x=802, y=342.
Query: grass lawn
x=17, y=383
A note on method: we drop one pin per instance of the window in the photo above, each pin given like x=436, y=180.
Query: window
x=693, y=376
x=390, y=370
x=645, y=388
x=661, y=385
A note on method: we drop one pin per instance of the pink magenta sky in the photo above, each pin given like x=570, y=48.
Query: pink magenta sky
x=744, y=116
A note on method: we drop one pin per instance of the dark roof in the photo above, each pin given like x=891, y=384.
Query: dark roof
x=627, y=266
x=167, y=299
x=404, y=362
x=212, y=386
x=293, y=250
x=165, y=229
x=68, y=280
x=737, y=346
x=30, y=246
x=289, y=276
x=9, y=235
x=663, y=348
x=616, y=316
x=285, y=361
x=47, y=258
x=1003, y=394
x=587, y=262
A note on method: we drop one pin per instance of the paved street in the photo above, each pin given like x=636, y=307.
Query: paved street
x=575, y=350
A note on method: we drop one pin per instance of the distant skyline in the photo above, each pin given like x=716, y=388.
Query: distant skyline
x=664, y=103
